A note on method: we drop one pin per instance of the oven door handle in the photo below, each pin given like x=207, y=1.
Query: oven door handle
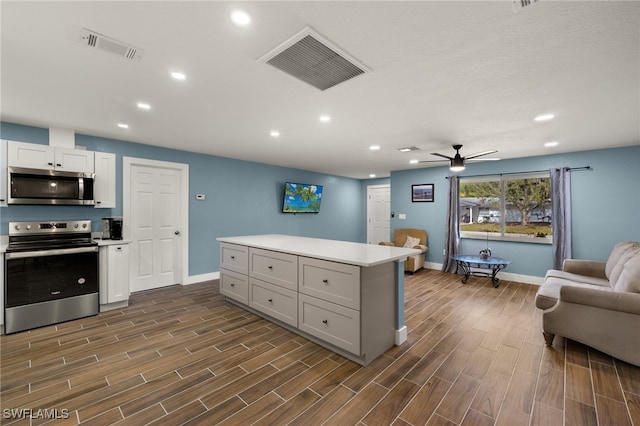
x=42, y=253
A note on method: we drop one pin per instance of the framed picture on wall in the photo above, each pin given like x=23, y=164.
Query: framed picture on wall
x=422, y=193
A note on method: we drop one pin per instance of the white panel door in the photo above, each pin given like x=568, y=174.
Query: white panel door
x=155, y=227
x=378, y=213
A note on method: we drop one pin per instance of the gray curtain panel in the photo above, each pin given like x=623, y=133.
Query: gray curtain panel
x=561, y=215
x=452, y=237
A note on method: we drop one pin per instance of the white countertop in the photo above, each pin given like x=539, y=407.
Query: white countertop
x=4, y=241
x=333, y=250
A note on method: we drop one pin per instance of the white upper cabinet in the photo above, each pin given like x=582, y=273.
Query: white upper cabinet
x=74, y=160
x=3, y=175
x=46, y=157
x=104, y=185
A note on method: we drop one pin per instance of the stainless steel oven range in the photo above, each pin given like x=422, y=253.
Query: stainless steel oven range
x=51, y=274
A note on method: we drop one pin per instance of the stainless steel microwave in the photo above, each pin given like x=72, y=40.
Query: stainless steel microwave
x=35, y=186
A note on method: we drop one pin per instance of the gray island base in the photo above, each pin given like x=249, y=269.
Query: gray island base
x=347, y=297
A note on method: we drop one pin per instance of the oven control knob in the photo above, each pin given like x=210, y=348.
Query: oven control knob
x=84, y=225
x=75, y=226
x=17, y=227
x=28, y=227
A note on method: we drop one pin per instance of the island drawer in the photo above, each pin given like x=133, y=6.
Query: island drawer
x=332, y=323
x=274, y=267
x=234, y=285
x=275, y=301
x=234, y=257
x=331, y=281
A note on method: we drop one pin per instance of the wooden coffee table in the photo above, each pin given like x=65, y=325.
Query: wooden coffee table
x=467, y=263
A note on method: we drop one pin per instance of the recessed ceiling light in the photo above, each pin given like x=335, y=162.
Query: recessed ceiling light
x=413, y=162
x=372, y=175
x=123, y=125
x=544, y=117
x=325, y=118
x=240, y=17
x=405, y=150
x=551, y=143
x=274, y=133
x=374, y=147
x=143, y=105
x=178, y=75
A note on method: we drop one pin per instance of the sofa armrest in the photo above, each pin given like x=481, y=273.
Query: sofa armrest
x=591, y=268
x=610, y=300
x=421, y=247
x=386, y=243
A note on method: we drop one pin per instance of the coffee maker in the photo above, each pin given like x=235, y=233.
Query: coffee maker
x=111, y=228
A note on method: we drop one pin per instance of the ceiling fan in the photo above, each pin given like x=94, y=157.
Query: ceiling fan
x=457, y=161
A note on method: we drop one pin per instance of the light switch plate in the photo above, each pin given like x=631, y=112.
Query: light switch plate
x=200, y=197
x=402, y=216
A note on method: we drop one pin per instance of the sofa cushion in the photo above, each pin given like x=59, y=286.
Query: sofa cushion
x=634, y=250
x=618, y=251
x=577, y=278
x=549, y=292
x=411, y=242
x=629, y=280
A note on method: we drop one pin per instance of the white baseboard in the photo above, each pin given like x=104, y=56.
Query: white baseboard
x=401, y=335
x=506, y=276
x=193, y=279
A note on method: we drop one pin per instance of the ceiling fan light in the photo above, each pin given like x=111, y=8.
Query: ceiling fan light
x=457, y=165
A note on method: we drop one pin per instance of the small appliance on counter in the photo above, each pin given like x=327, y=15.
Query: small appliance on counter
x=111, y=228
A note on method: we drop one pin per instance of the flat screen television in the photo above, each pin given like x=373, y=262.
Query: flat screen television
x=301, y=198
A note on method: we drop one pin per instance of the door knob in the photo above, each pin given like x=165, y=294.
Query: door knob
x=177, y=232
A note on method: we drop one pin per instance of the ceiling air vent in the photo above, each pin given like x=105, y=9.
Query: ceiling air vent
x=519, y=5
x=312, y=58
x=97, y=40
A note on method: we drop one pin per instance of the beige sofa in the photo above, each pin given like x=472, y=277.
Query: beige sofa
x=417, y=240
x=596, y=303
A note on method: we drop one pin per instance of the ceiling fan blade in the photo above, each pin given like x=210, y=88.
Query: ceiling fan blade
x=442, y=155
x=473, y=160
x=432, y=161
x=479, y=154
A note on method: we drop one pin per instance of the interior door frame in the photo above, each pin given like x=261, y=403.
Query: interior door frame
x=370, y=206
x=183, y=170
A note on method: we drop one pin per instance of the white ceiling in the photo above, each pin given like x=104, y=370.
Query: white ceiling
x=474, y=73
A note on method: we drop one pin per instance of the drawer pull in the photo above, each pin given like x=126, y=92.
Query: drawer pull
x=270, y=300
x=55, y=293
x=232, y=285
x=325, y=321
x=270, y=267
x=233, y=257
x=326, y=281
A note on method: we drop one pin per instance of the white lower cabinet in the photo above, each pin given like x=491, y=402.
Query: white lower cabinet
x=234, y=285
x=347, y=308
x=328, y=321
x=275, y=301
x=114, y=276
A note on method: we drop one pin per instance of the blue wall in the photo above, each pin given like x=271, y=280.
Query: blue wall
x=242, y=198
x=245, y=198
x=605, y=205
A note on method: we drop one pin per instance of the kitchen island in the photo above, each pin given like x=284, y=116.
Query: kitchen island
x=348, y=297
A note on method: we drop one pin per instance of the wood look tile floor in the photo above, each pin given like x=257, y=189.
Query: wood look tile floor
x=182, y=355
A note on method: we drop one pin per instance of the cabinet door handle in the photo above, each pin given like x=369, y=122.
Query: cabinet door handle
x=119, y=248
x=326, y=281
x=325, y=321
x=270, y=267
x=58, y=165
x=50, y=164
x=233, y=257
x=98, y=202
x=271, y=300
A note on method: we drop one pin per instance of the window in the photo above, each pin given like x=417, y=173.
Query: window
x=506, y=208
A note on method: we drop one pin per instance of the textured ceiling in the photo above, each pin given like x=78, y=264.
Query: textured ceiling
x=474, y=73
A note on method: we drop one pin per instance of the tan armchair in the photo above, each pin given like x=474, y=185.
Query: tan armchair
x=413, y=263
